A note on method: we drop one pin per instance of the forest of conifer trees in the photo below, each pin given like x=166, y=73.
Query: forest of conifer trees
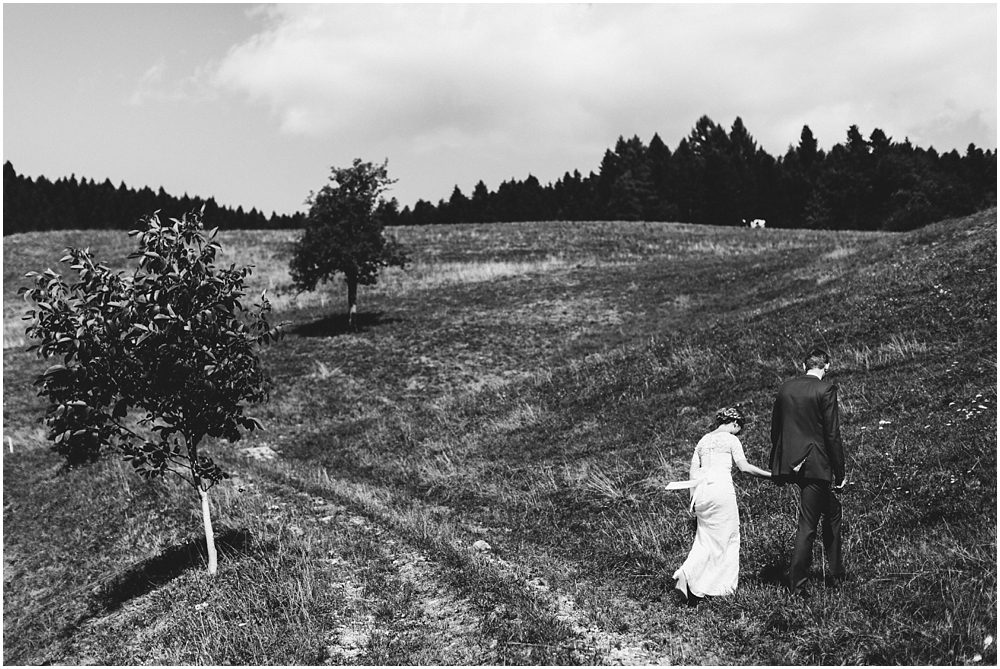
x=40, y=204
x=717, y=177
x=713, y=177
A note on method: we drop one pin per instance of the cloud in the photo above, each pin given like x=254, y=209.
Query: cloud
x=553, y=82
x=149, y=83
x=953, y=131
x=497, y=72
x=154, y=86
x=417, y=72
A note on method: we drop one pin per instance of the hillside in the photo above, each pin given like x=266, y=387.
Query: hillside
x=533, y=386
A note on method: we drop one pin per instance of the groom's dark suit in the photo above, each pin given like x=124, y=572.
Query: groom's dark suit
x=806, y=450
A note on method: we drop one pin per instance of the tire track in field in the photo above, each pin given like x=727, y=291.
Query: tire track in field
x=596, y=645
x=420, y=612
x=400, y=608
x=415, y=611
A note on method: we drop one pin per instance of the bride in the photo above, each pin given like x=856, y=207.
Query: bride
x=712, y=567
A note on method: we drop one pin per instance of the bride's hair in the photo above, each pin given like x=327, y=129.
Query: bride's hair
x=731, y=414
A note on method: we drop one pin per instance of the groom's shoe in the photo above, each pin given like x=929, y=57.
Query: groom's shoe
x=799, y=588
x=799, y=592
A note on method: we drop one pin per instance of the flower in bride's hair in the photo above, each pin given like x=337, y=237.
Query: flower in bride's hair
x=731, y=414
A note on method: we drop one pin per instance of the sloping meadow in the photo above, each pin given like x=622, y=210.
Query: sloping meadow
x=536, y=385
x=551, y=407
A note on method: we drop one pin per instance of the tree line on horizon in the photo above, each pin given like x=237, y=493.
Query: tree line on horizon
x=717, y=177
x=67, y=203
x=714, y=177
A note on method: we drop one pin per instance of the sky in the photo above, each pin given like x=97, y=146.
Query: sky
x=253, y=104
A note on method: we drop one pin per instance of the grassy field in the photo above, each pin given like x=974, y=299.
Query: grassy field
x=533, y=386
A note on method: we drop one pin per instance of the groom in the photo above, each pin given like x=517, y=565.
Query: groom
x=806, y=450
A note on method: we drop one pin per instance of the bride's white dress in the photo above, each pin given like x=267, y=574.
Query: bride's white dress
x=712, y=567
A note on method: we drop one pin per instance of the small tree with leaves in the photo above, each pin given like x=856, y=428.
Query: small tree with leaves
x=152, y=362
x=344, y=233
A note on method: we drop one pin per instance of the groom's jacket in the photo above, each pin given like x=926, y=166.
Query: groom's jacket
x=805, y=431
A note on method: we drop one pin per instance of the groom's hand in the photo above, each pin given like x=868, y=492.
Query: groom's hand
x=841, y=485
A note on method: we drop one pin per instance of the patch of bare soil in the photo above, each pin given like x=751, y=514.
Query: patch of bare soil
x=414, y=609
x=596, y=645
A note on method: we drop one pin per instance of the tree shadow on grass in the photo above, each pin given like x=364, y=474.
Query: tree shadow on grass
x=337, y=325
x=159, y=570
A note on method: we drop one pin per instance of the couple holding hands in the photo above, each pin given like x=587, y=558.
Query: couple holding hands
x=806, y=450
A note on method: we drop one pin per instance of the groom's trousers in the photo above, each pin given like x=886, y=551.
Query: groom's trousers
x=816, y=499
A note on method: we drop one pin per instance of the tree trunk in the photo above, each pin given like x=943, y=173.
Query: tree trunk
x=352, y=302
x=206, y=512
x=213, y=558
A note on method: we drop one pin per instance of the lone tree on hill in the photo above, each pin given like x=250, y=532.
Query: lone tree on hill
x=344, y=233
x=172, y=342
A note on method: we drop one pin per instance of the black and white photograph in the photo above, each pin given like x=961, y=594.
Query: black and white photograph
x=545, y=334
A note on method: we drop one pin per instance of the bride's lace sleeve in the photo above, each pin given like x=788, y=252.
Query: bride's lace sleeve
x=736, y=449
